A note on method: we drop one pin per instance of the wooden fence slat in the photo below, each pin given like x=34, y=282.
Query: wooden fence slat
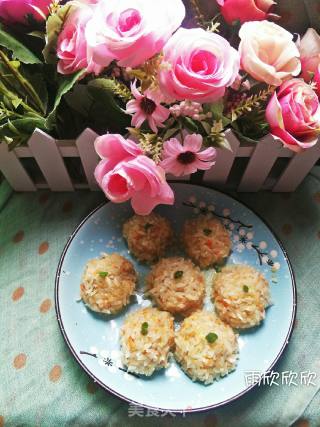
x=88, y=155
x=298, y=168
x=260, y=164
x=50, y=161
x=13, y=170
x=219, y=173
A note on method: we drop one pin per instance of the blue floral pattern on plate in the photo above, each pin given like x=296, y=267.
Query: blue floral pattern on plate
x=94, y=339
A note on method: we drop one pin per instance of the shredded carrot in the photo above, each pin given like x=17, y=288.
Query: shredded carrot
x=209, y=243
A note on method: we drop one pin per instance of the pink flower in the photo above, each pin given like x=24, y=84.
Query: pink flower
x=140, y=180
x=268, y=52
x=245, y=10
x=132, y=31
x=197, y=66
x=125, y=173
x=113, y=149
x=72, y=49
x=18, y=10
x=293, y=114
x=146, y=107
x=316, y=81
x=309, y=48
x=185, y=159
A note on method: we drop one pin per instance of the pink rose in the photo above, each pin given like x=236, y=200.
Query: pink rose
x=18, y=10
x=197, y=66
x=132, y=31
x=293, y=114
x=316, y=81
x=113, y=149
x=72, y=49
x=140, y=180
x=124, y=173
x=268, y=52
x=245, y=10
x=309, y=48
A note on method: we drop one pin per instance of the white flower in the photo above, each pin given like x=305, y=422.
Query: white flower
x=263, y=245
x=243, y=240
x=250, y=235
x=276, y=266
x=273, y=254
x=226, y=212
x=202, y=205
x=240, y=247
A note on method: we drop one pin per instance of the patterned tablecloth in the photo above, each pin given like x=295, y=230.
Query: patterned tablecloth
x=42, y=385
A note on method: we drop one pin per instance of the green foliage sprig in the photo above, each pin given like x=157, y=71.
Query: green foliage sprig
x=251, y=102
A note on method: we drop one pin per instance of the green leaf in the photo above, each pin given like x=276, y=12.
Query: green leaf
x=244, y=138
x=105, y=100
x=37, y=34
x=217, y=109
x=79, y=99
x=207, y=127
x=37, y=80
x=19, y=51
x=189, y=124
x=102, y=90
x=170, y=132
x=16, y=102
x=225, y=121
x=65, y=84
x=94, y=106
x=224, y=143
x=18, y=131
x=54, y=26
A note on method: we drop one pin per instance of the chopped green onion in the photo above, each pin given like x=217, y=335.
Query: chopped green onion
x=218, y=269
x=103, y=274
x=144, y=328
x=245, y=288
x=211, y=337
x=207, y=231
x=178, y=274
x=147, y=226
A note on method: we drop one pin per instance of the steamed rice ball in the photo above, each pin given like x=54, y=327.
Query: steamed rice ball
x=206, y=241
x=147, y=236
x=206, y=347
x=176, y=285
x=146, y=338
x=107, y=283
x=241, y=295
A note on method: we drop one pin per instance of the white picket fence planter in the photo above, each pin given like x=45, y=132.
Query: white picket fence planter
x=260, y=170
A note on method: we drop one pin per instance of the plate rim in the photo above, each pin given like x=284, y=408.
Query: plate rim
x=104, y=386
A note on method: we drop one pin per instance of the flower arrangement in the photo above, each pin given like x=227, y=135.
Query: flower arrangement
x=159, y=91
